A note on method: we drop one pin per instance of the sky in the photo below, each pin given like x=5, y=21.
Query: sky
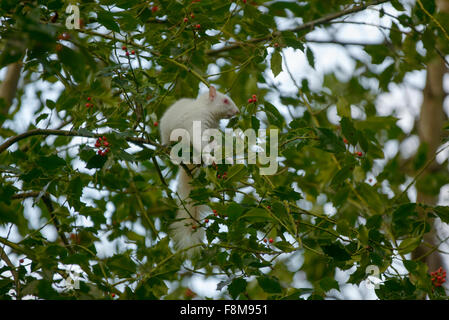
x=404, y=100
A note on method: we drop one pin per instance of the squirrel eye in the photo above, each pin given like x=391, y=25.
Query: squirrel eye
x=226, y=101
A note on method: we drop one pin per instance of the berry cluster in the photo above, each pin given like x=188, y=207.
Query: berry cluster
x=438, y=277
x=222, y=176
x=219, y=176
x=253, y=99
x=88, y=104
x=196, y=26
x=124, y=48
x=357, y=153
x=216, y=214
x=103, y=146
x=269, y=240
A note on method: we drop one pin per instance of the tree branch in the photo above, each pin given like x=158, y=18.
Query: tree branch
x=307, y=25
x=46, y=132
x=15, y=274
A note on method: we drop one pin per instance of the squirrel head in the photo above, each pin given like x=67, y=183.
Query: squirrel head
x=221, y=105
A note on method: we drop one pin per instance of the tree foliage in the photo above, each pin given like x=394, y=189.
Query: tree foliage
x=119, y=72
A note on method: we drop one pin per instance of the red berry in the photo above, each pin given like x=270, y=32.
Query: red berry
x=244, y=1
x=193, y=227
x=87, y=105
x=106, y=144
x=250, y=100
x=345, y=140
x=268, y=207
x=185, y=19
x=218, y=176
x=192, y=15
x=89, y=98
x=133, y=52
x=265, y=240
x=271, y=240
x=198, y=26
x=124, y=48
x=359, y=154
x=113, y=295
x=104, y=138
x=156, y=124
x=254, y=96
x=216, y=214
x=154, y=9
x=127, y=53
x=21, y=260
x=107, y=150
x=276, y=44
x=97, y=144
x=206, y=220
x=100, y=153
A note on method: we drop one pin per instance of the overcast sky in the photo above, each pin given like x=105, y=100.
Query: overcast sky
x=404, y=100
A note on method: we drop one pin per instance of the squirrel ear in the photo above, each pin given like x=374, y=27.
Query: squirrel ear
x=212, y=93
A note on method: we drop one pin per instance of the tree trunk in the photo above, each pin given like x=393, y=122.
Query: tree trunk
x=8, y=87
x=430, y=131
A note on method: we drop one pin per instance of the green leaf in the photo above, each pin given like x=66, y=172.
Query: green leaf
x=329, y=283
x=310, y=57
x=234, y=211
x=349, y=131
x=329, y=141
x=273, y=114
x=73, y=61
x=236, y=173
x=237, y=286
x=257, y=215
x=269, y=284
x=442, y=212
x=96, y=162
x=286, y=193
x=343, y=108
x=336, y=251
x=408, y=245
x=341, y=175
x=51, y=163
x=276, y=63
x=107, y=19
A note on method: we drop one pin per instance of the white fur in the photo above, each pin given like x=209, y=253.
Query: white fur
x=208, y=108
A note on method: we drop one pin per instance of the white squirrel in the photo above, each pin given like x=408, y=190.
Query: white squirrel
x=209, y=108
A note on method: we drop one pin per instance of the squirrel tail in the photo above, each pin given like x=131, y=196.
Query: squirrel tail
x=186, y=231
